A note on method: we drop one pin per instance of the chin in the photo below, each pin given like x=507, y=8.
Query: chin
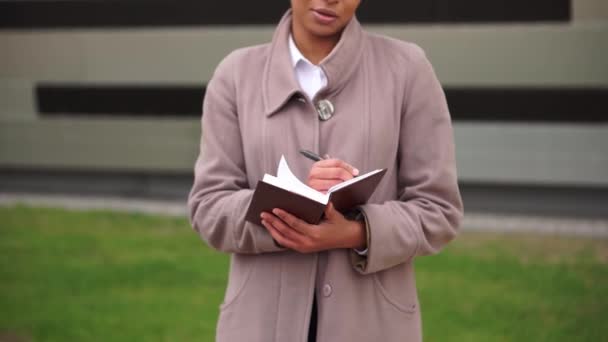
x=326, y=31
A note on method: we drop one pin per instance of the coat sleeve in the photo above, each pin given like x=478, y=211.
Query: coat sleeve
x=429, y=208
x=220, y=195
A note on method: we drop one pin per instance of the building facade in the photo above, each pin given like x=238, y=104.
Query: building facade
x=105, y=96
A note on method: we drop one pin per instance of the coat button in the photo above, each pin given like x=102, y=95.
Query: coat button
x=327, y=290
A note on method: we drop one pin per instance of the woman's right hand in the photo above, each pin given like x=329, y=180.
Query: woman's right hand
x=328, y=172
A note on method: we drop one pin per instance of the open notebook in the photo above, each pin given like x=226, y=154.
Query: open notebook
x=287, y=192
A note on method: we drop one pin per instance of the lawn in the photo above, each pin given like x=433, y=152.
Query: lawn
x=104, y=276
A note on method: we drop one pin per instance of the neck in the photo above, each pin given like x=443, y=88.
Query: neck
x=314, y=48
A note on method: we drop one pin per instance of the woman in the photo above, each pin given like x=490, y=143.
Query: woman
x=347, y=279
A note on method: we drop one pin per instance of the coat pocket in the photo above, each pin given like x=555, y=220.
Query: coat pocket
x=403, y=298
x=241, y=267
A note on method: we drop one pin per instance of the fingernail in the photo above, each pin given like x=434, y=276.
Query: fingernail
x=275, y=211
x=355, y=172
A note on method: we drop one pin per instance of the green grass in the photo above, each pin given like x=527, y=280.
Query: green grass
x=104, y=276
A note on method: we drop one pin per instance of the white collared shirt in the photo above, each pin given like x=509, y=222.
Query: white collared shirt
x=310, y=77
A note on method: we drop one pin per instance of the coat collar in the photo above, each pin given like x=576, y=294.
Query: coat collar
x=279, y=83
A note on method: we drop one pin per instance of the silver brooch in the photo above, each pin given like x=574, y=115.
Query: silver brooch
x=325, y=109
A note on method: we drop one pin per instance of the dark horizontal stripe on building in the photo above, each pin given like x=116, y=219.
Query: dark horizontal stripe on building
x=119, y=100
x=529, y=104
x=26, y=14
x=575, y=105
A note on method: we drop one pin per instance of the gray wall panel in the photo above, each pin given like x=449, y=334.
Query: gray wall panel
x=590, y=10
x=496, y=153
x=571, y=55
x=17, y=102
x=100, y=144
x=518, y=55
x=532, y=153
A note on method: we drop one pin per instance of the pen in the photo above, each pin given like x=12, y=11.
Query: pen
x=311, y=155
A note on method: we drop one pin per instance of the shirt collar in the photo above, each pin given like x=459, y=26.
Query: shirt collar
x=295, y=53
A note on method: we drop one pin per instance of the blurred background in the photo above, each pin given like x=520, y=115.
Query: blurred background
x=101, y=101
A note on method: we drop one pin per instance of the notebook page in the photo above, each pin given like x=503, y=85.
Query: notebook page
x=285, y=179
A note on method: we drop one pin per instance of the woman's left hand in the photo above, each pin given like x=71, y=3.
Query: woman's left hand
x=335, y=231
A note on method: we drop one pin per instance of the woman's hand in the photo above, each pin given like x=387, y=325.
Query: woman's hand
x=328, y=172
x=332, y=233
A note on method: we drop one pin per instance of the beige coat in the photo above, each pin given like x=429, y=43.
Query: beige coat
x=390, y=113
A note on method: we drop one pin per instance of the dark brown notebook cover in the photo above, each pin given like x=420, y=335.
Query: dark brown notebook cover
x=357, y=193
x=267, y=197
